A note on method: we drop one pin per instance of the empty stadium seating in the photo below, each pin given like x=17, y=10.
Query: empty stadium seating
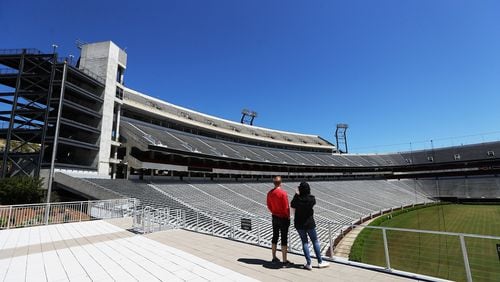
x=221, y=204
x=147, y=134
x=135, y=98
x=479, y=187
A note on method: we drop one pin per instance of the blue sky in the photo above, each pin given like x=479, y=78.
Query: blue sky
x=395, y=71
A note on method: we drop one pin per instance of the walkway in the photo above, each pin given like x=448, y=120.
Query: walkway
x=253, y=261
x=98, y=251
x=343, y=248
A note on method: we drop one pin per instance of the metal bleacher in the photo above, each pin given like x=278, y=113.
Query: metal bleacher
x=207, y=203
x=136, y=99
x=477, y=187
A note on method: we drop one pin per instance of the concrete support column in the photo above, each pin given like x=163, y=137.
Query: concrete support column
x=117, y=129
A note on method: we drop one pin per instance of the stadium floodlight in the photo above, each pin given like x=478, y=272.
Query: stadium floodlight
x=341, y=137
x=248, y=116
x=54, y=48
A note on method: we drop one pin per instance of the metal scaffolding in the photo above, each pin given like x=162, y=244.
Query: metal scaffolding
x=31, y=75
x=51, y=112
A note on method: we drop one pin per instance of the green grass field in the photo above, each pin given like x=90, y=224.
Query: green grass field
x=435, y=255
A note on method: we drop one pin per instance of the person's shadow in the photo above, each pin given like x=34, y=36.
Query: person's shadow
x=265, y=263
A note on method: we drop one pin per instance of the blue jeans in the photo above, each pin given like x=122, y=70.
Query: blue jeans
x=305, y=244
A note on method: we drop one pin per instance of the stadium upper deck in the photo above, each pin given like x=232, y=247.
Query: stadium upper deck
x=153, y=107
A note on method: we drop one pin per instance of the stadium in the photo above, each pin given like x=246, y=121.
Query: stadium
x=119, y=155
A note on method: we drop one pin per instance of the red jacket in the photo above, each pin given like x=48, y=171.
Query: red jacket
x=277, y=203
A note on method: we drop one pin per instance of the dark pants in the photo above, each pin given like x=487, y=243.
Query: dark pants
x=280, y=225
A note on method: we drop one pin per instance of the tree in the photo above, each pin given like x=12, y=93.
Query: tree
x=20, y=190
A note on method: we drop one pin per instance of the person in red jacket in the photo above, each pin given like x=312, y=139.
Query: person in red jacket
x=277, y=203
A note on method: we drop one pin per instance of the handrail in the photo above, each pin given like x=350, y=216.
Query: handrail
x=8, y=71
x=84, y=70
x=60, y=60
x=58, y=203
x=233, y=231
x=18, y=51
x=333, y=222
x=14, y=216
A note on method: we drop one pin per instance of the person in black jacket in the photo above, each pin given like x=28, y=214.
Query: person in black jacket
x=303, y=203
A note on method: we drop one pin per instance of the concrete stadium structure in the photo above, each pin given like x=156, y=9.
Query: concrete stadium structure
x=102, y=129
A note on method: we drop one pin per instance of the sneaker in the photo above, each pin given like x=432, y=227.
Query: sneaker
x=308, y=266
x=287, y=264
x=275, y=260
x=323, y=264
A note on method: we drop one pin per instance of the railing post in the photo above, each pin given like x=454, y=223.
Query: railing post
x=168, y=216
x=135, y=206
x=197, y=220
x=47, y=213
x=156, y=219
x=9, y=218
x=386, y=250
x=89, y=212
x=258, y=231
x=134, y=217
x=330, y=238
x=289, y=242
x=183, y=218
x=81, y=211
x=142, y=221
x=213, y=225
x=150, y=221
x=164, y=219
x=178, y=214
x=466, y=258
x=231, y=231
x=159, y=219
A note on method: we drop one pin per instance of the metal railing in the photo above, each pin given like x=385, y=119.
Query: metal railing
x=15, y=216
x=419, y=253
x=86, y=71
x=8, y=71
x=149, y=220
x=429, y=254
x=72, y=63
x=19, y=51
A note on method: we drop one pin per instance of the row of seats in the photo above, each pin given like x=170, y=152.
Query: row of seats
x=484, y=187
x=192, y=116
x=173, y=139
x=219, y=206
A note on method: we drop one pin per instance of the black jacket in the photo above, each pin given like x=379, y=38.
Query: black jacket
x=304, y=213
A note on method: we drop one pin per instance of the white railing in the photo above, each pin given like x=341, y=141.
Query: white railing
x=149, y=220
x=422, y=254
x=15, y=216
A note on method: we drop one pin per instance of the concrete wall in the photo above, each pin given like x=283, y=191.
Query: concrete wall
x=103, y=58
x=84, y=188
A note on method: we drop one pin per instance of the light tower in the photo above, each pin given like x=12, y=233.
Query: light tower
x=341, y=137
x=248, y=116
